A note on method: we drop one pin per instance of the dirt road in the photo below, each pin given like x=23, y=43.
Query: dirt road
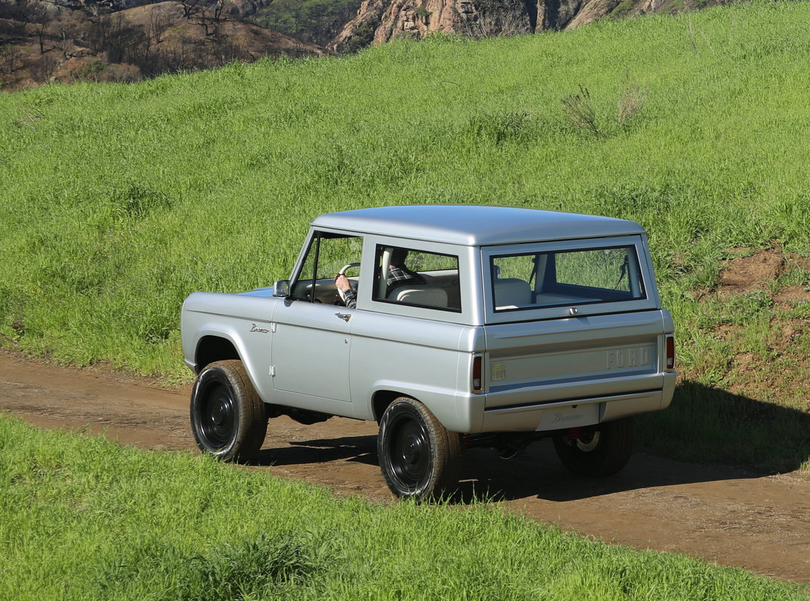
x=721, y=514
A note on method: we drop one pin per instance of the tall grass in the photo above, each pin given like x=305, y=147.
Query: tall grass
x=82, y=518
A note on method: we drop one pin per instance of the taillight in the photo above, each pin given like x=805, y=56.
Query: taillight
x=477, y=372
x=670, y=352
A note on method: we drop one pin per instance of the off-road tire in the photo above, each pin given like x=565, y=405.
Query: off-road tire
x=600, y=450
x=419, y=458
x=228, y=417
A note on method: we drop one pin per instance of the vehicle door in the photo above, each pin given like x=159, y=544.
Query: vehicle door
x=311, y=339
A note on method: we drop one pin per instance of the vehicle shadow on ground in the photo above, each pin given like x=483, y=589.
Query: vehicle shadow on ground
x=361, y=449
x=712, y=434
x=706, y=435
x=539, y=474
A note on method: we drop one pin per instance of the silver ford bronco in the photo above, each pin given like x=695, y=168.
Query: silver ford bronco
x=452, y=327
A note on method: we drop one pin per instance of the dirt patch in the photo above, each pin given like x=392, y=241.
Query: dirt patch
x=792, y=294
x=721, y=514
x=753, y=272
x=757, y=324
x=761, y=271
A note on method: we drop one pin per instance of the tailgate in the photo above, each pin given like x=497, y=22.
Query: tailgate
x=574, y=358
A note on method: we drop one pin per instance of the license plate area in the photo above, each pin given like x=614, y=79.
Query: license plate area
x=569, y=416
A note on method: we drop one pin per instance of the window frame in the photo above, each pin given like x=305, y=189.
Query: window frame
x=313, y=241
x=568, y=308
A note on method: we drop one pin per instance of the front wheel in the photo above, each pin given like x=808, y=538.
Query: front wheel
x=228, y=417
x=600, y=450
x=419, y=458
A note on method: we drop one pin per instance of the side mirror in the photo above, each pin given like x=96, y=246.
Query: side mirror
x=281, y=288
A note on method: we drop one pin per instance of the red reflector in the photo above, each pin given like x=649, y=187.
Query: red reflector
x=477, y=369
x=670, y=352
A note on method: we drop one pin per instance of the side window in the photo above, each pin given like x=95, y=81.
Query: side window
x=328, y=254
x=416, y=278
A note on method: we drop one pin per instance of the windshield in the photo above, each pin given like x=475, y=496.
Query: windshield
x=571, y=277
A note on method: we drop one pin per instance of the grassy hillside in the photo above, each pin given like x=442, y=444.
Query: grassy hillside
x=116, y=201
x=82, y=518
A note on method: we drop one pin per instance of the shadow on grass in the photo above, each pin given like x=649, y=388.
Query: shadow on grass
x=706, y=435
x=714, y=425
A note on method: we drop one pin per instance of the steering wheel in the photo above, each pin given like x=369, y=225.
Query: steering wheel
x=347, y=267
x=342, y=272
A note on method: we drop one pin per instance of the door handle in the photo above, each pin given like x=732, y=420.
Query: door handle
x=344, y=316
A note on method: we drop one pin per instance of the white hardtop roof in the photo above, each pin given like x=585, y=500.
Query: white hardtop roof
x=476, y=225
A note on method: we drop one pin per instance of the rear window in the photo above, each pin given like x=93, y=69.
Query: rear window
x=563, y=278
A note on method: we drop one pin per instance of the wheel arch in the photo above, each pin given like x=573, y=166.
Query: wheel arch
x=441, y=403
x=214, y=347
x=381, y=400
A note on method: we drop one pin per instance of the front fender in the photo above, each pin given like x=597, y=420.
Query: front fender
x=228, y=326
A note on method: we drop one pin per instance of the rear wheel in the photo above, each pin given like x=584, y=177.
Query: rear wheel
x=228, y=417
x=419, y=458
x=599, y=450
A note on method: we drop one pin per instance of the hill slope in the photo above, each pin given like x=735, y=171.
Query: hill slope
x=47, y=43
x=117, y=201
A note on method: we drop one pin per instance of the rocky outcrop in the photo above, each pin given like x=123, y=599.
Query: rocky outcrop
x=380, y=21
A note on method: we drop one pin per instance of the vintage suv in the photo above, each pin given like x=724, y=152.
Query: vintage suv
x=467, y=326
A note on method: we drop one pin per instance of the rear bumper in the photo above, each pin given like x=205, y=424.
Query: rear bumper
x=556, y=415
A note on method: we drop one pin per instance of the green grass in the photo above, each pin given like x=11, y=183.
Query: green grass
x=83, y=518
x=117, y=201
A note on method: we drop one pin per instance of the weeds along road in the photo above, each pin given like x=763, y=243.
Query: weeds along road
x=723, y=515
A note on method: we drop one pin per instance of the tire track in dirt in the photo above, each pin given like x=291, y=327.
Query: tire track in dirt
x=721, y=514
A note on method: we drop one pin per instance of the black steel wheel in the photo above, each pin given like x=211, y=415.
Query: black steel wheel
x=228, y=417
x=600, y=450
x=419, y=458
